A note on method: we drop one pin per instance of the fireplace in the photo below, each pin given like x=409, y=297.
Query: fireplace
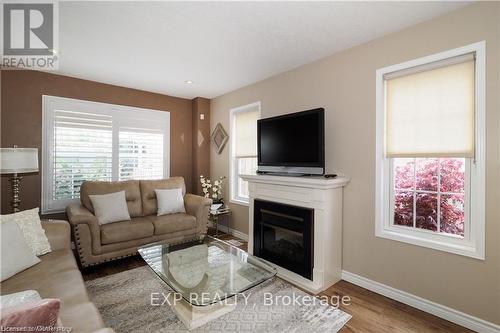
x=283, y=235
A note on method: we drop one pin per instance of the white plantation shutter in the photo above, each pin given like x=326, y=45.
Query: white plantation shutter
x=245, y=129
x=141, y=154
x=97, y=141
x=430, y=109
x=82, y=150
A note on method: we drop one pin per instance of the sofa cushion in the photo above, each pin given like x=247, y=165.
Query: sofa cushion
x=131, y=188
x=172, y=223
x=148, y=187
x=56, y=276
x=83, y=317
x=127, y=230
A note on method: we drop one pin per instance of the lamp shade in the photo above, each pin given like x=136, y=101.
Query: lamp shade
x=18, y=160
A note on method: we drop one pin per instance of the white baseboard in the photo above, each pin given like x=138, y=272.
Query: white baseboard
x=231, y=231
x=238, y=234
x=455, y=316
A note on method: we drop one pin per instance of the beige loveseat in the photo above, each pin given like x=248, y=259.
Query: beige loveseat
x=99, y=243
x=57, y=276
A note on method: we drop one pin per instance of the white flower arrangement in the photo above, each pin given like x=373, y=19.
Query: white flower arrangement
x=213, y=191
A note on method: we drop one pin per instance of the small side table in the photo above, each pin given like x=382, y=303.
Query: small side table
x=214, y=214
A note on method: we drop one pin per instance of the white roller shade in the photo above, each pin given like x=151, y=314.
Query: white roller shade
x=430, y=110
x=245, y=127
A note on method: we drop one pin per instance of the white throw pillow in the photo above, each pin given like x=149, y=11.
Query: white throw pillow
x=19, y=298
x=16, y=254
x=31, y=227
x=170, y=201
x=109, y=208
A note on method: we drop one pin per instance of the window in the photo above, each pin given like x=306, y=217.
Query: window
x=430, y=187
x=243, y=136
x=96, y=141
x=429, y=193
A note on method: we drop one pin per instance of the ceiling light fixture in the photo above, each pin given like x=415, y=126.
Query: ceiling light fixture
x=188, y=82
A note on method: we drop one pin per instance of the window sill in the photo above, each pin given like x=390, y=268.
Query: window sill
x=438, y=242
x=239, y=202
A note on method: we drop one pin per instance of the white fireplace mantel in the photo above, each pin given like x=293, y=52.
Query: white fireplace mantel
x=324, y=195
x=318, y=182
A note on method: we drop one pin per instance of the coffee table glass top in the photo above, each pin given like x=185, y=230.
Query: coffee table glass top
x=206, y=270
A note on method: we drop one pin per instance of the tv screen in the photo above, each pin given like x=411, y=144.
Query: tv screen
x=292, y=140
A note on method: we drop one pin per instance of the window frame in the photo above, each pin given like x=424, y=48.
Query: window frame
x=233, y=160
x=49, y=105
x=473, y=242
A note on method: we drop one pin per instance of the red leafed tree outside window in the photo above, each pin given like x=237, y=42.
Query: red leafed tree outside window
x=429, y=194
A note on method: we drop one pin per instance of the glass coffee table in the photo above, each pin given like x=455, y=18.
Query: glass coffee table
x=206, y=275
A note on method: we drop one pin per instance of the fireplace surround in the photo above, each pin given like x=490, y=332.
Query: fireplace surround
x=322, y=198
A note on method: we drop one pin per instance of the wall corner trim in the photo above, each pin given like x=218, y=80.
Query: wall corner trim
x=452, y=315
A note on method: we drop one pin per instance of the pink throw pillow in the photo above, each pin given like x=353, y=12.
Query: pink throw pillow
x=32, y=314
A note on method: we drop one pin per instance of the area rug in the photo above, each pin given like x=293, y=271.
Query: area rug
x=124, y=300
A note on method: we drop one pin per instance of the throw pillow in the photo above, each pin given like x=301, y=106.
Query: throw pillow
x=19, y=298
x=109, y=208
x=16, y=254
x=35, y=314
x=31, y=227
x=170, y=201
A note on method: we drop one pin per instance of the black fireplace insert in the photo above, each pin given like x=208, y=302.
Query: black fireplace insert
x=283, y=235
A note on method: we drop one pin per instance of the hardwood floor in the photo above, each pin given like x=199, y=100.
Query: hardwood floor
x=370, y=312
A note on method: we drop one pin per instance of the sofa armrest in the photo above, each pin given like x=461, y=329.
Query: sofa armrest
x=58, y=233
x=198, y=206
x=78, y=216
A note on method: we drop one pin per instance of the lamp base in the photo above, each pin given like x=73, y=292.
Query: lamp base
x=15, y=182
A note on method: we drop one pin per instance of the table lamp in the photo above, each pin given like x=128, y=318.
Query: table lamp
x=16, y=161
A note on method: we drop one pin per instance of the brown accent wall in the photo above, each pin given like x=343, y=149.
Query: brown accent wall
x=21, y=120
x=201, y=141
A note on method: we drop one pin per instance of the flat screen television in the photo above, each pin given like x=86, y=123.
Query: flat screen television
x=292, y=144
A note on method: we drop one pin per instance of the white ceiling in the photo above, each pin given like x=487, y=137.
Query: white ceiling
x=220, y=46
